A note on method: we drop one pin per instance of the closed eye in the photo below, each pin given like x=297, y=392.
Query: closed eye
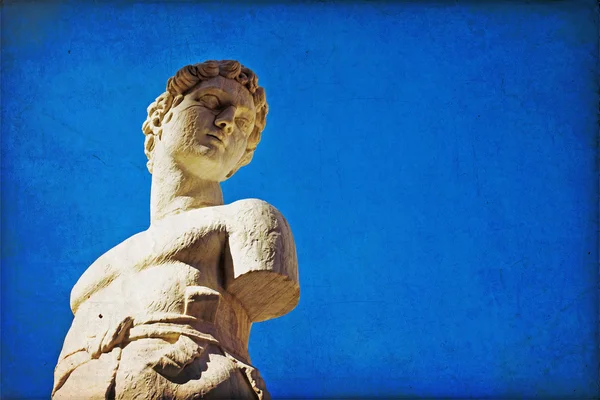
x=243, y=123
x=211, y=101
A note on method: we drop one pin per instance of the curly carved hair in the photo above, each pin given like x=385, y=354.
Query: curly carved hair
x=189, y=77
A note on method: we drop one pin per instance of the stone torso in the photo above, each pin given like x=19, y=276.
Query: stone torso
x=174, y=278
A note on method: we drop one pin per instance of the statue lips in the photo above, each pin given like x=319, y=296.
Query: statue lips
x=217, y=139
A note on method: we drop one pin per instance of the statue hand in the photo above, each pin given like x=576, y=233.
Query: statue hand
x=177, y=356
x=109, y=339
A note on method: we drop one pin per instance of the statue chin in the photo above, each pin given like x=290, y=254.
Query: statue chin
x=207, y=162
x=203, y=163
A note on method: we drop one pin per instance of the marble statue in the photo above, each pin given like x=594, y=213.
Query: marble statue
x=166, y=314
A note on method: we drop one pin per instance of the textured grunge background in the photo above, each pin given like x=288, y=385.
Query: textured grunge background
x=436, y=161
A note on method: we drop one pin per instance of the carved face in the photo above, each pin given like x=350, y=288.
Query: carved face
x=208, y=131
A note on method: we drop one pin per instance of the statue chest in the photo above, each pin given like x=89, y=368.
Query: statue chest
x=150, y=271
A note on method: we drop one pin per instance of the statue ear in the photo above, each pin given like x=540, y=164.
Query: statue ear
x=149, y=150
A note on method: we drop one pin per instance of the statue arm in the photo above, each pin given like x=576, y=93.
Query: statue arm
x=98, y=276
x=261, y=266
x=108, y=267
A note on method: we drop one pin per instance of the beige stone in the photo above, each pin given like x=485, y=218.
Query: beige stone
x=167, y=313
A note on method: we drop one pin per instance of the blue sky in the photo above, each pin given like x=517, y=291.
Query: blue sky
x=436, y=162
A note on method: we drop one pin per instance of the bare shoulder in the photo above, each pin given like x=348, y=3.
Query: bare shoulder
x=258, y=216
x=264, y=270
x=255, y=207
x=254, y=223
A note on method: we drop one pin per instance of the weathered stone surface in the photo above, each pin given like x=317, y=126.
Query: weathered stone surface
x=167, y=313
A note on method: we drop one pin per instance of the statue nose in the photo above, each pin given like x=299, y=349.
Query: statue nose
x=225, y=119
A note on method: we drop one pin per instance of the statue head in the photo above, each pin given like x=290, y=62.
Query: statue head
x=209, y=121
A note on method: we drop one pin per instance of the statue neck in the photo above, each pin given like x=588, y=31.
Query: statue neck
x=175, y=191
